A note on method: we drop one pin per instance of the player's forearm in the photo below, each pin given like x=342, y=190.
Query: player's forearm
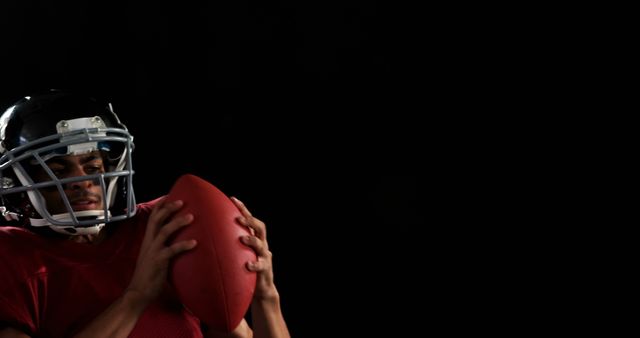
x=267, y=318
x=118, y=320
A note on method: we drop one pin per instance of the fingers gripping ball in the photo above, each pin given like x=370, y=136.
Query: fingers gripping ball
x=211, y=280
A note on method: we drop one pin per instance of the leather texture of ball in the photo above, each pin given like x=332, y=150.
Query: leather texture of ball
x=212, y=280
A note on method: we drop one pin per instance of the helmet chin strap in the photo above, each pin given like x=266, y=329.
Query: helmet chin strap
x=38, y=203
x=69, y=229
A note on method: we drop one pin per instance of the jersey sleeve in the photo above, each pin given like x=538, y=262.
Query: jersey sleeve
x=19, y=292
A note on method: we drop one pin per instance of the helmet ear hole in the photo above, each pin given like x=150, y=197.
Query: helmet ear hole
x=16, y=209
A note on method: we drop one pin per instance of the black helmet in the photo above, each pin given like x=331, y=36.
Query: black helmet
x=58, y=123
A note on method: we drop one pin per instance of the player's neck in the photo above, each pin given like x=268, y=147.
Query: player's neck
x=92, y=239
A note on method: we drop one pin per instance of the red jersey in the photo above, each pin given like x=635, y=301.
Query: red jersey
x=55, y=287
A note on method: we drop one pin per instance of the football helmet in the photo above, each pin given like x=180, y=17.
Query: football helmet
x=39, y=128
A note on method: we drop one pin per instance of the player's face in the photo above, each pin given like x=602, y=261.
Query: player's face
x=82, y=195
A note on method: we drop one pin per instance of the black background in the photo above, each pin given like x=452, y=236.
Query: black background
x=302, y=110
